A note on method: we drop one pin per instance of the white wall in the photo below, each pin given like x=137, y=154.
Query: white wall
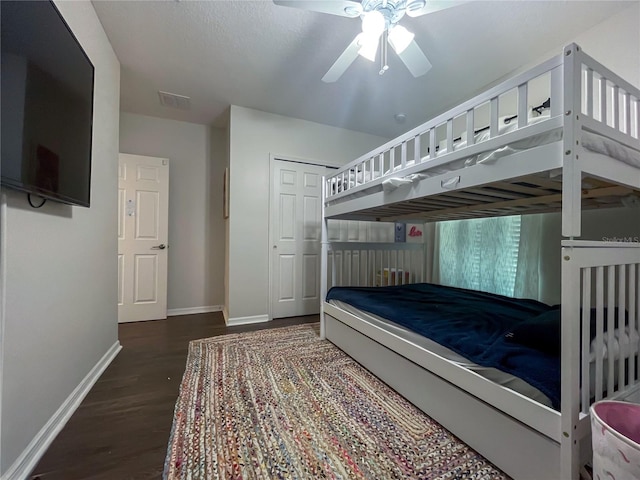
x=60, y=274
x=254, y=136
x=196, y=156
x=616, y=43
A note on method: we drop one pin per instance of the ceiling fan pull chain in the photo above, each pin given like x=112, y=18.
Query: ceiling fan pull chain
x=383, y=54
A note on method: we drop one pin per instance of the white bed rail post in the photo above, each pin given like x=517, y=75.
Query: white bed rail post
x=324, y=257
x=570, y=366
x=571, y=176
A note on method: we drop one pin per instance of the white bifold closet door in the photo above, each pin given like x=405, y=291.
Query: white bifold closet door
x=296, y=202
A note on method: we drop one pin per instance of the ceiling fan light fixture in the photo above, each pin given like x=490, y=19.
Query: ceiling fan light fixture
x=368, y=46
x=373, y=23
x=379, y=20
x=400, y=38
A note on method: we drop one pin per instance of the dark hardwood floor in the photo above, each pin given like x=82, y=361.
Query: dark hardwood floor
x=121, y=429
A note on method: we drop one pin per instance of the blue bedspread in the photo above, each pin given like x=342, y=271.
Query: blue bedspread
x=471, y=323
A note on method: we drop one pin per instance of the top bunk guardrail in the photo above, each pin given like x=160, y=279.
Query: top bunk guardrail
x=501, y=116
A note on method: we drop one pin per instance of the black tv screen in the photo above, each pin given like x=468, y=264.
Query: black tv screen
x=47, y=104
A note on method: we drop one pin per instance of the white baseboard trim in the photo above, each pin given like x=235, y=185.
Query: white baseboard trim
x=29, y=458
x=232, y=322
x=172, y=312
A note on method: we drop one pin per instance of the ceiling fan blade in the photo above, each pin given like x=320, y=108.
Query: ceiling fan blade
x=431, y=6
x=415, y=60
x=344, y=8
x=342, y=63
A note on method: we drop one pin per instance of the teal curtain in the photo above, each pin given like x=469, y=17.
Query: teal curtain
x=479, y=254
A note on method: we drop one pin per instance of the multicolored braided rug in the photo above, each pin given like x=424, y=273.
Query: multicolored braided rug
x=281, y=403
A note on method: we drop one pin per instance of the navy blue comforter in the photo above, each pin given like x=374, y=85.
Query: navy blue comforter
x=473, y=324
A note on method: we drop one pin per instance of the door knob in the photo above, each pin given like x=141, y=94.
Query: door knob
x=162, y=246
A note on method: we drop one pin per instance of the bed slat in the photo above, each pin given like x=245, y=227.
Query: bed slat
x=432, y=142
x=495, y=193
x=403, y=154
x=623, y=340
x=394, y=273
x=599, y=331
x=589, y=92
x=615, y=108
x=635, y=116
x=493, y=124
x=450, y=135
x=523, y=107
x=611, y=272
x=627, y=113
x=471, y=140
x=515, y=187
x=603, y=100
x=634, y=320
x=586, y=336
x=557, y=91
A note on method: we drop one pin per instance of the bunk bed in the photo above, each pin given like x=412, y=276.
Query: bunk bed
x=578, y=150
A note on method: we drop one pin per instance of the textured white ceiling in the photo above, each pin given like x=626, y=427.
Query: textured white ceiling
x=259, y=55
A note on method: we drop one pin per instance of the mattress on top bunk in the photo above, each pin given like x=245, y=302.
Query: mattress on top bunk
x=599, y=144
x=507, y=125
x=470, y=323
x=497, y=376
x=589, y=140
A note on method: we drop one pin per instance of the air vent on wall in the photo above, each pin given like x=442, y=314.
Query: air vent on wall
x=174, y=101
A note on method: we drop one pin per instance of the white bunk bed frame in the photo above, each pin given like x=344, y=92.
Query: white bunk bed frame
x=520, y=436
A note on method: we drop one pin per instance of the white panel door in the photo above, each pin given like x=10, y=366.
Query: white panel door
x=143, y=214
x=295, y=232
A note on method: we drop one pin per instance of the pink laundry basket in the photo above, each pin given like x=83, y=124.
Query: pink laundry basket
x=615, y=435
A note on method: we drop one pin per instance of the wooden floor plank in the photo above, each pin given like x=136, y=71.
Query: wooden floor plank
x=121, y=429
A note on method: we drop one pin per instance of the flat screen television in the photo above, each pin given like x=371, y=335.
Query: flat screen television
x=47, y=104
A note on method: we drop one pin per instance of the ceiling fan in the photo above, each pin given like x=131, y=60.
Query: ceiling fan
x=379, y=26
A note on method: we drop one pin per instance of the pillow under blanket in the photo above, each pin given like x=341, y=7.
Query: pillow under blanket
x=544, y=332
